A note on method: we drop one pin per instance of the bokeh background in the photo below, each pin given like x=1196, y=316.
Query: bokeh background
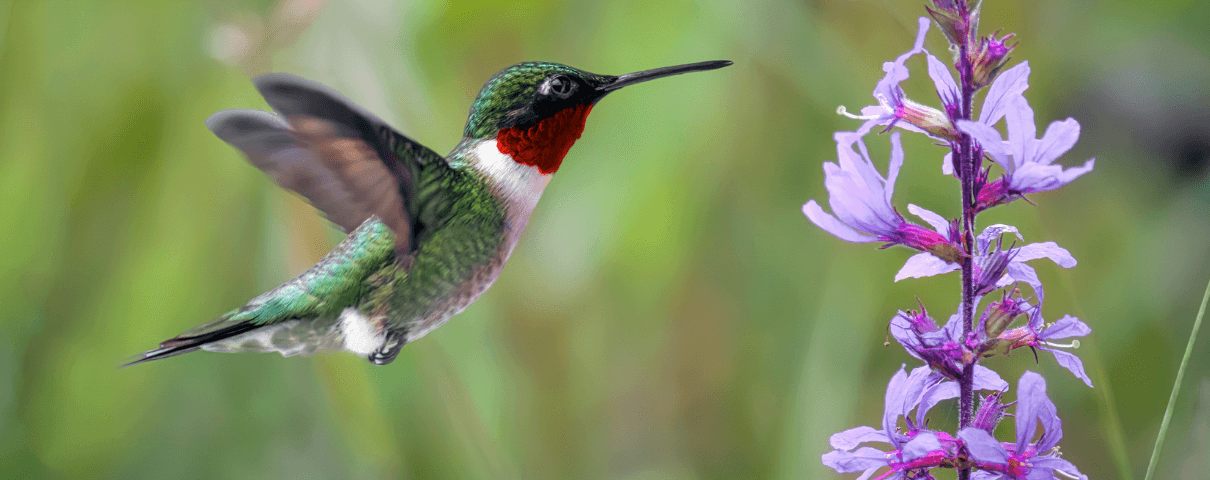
x=670, y=314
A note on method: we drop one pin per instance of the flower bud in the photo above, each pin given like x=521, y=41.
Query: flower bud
x=953, y=19
x=988, y=58
x=990, y=412
x=1000, y=315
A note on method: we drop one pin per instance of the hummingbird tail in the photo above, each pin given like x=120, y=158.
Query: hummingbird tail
x=297, y=317
x=292, y=336
x=189, y=342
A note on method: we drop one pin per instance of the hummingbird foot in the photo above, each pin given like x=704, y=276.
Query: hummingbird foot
x=387, y=352
x=370, y=337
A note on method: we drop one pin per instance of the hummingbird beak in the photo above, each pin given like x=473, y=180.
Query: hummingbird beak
x=645, y=75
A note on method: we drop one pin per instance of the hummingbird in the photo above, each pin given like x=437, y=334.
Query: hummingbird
x=426, y=234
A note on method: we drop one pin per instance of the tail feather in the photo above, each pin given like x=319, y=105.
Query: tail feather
x=289, y=337
x=186, y=343
x=298, y=317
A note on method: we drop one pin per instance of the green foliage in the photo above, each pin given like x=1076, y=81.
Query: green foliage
x=669, y=314
x=1176, y=386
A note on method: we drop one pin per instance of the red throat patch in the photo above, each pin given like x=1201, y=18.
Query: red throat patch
x=545, y=143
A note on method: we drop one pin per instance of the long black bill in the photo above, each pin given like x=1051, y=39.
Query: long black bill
x=645, y=75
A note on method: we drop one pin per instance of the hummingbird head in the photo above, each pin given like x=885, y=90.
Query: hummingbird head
x=537, y=110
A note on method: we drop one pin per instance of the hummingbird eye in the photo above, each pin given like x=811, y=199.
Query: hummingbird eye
x=559, y=86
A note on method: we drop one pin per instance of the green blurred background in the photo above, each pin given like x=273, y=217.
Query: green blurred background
x=670, y=314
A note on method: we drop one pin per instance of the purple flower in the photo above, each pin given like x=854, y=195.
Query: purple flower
x=915, y=450
x=1007, y=86
x=1024, y=459
x=1028, y=162
x=994, y=266
x=895, y=109
x=942, y=349
x=1038, y=334
x=861, y=199
x=939, y=348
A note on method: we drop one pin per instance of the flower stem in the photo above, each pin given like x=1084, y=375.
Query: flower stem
x=964, y=153
x=1176, y=386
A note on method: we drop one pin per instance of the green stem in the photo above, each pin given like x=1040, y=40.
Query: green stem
x=1176, y=387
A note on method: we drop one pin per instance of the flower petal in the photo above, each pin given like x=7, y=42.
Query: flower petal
x=833, y=226
x=937, y=221
x=1049, y=250
x=896, y=72
x=893, y=169
x=991, y=141
x=1056, y=463
x=1009, y=83
x=1053, y=427
x=1071, y=362
x=856, y=191
x=924, y=265
x=1066, y=327
x=1020, y=272
x=982, y=446
x=851, y=438
x=915, y=388
x=1060, y=136
x=933, y=396
x=1022, y=134
x=920, y=446
x=988, y=379
x=953, y=326
x=1034, y=177
x=893, y=406
x=993, y=232
x=1031, y=395
x=901, y=329
x=1038, y=474
x=858, y=161
x=855, y=461
x=947, y=90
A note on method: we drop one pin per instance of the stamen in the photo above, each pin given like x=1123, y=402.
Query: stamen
x=841, y=110
x=882, y=101
x=1074, y=344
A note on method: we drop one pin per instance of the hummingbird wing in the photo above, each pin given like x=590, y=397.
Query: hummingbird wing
x=348, y=163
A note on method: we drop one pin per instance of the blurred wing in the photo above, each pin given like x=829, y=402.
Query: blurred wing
x=345, y=161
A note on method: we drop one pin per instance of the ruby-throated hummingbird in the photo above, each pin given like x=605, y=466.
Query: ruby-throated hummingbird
x=427, y=234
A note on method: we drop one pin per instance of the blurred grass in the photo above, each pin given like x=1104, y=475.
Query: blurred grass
x=670, y=313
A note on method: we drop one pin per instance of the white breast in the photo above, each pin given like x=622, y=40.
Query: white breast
x=520, y=185
x=361, y=336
